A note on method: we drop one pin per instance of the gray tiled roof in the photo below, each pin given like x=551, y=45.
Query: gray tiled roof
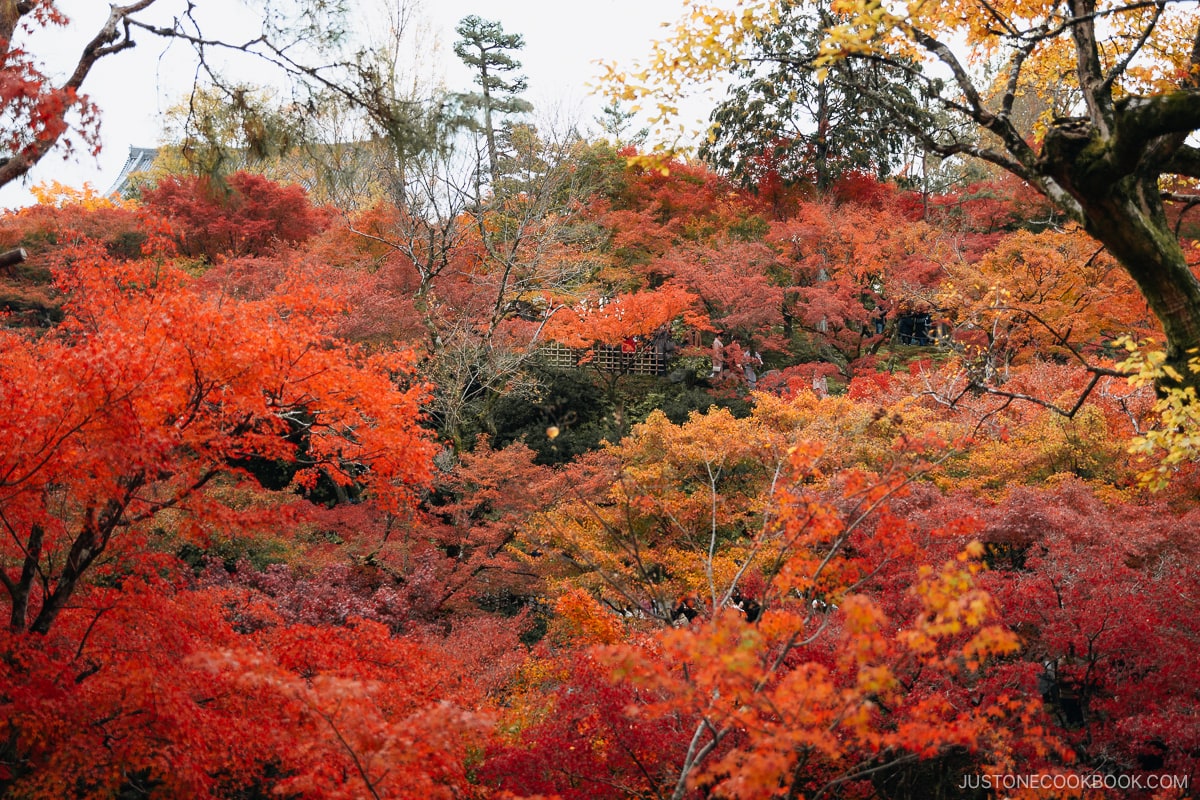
x=140, y=158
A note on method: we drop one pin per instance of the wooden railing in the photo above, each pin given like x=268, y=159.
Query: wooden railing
x=645, y=361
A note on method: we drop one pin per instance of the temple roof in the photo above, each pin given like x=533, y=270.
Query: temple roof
x=140, y=159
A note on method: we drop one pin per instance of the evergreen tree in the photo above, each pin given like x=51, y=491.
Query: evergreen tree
x=783, y=115
x=615, y=122
x=487, y=49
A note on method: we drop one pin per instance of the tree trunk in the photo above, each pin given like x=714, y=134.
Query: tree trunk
x=1139, y=236
x=1124, y=212
x=11, y=258
x=1148, y=250
x=20, y=591
x=821, y=151
x=89, y=544
x=488, y=131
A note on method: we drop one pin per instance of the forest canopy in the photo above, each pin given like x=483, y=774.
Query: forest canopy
x=461, y=455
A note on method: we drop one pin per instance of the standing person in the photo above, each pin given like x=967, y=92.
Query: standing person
x=718, y=355
x=662, y=338
x=820, y=385
x=904, y=327
x=879, y=318
x=921, y=329
x=658, y=349
x=750, y=359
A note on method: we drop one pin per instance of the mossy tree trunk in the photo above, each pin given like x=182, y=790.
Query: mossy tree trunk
x=1111, y=173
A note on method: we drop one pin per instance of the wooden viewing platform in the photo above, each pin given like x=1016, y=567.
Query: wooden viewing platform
x=645, y=361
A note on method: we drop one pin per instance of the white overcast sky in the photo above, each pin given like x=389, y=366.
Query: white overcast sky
x=563, y=40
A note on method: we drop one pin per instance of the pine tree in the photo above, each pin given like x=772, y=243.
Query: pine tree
x=486, y=48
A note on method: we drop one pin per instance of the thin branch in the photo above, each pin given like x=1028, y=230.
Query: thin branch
x=1009, y=28
x=1093, y=16
x=1097, y=374
x=998, y=125
x=1189, y=201
x=1014, y=76
x=1119, y=68
x=358, y=765
x=862, y=773
x=88, y=632
x=695, y=755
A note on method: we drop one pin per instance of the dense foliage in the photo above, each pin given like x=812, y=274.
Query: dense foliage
x=229, y=537
x=609, y=479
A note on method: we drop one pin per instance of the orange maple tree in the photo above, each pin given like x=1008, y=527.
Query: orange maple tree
x=624, y=316
x=161, y=688
x=822, y=645
x=150, y=390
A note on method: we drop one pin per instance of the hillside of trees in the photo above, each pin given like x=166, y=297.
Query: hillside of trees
x=486, y=460
x=294, y=506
